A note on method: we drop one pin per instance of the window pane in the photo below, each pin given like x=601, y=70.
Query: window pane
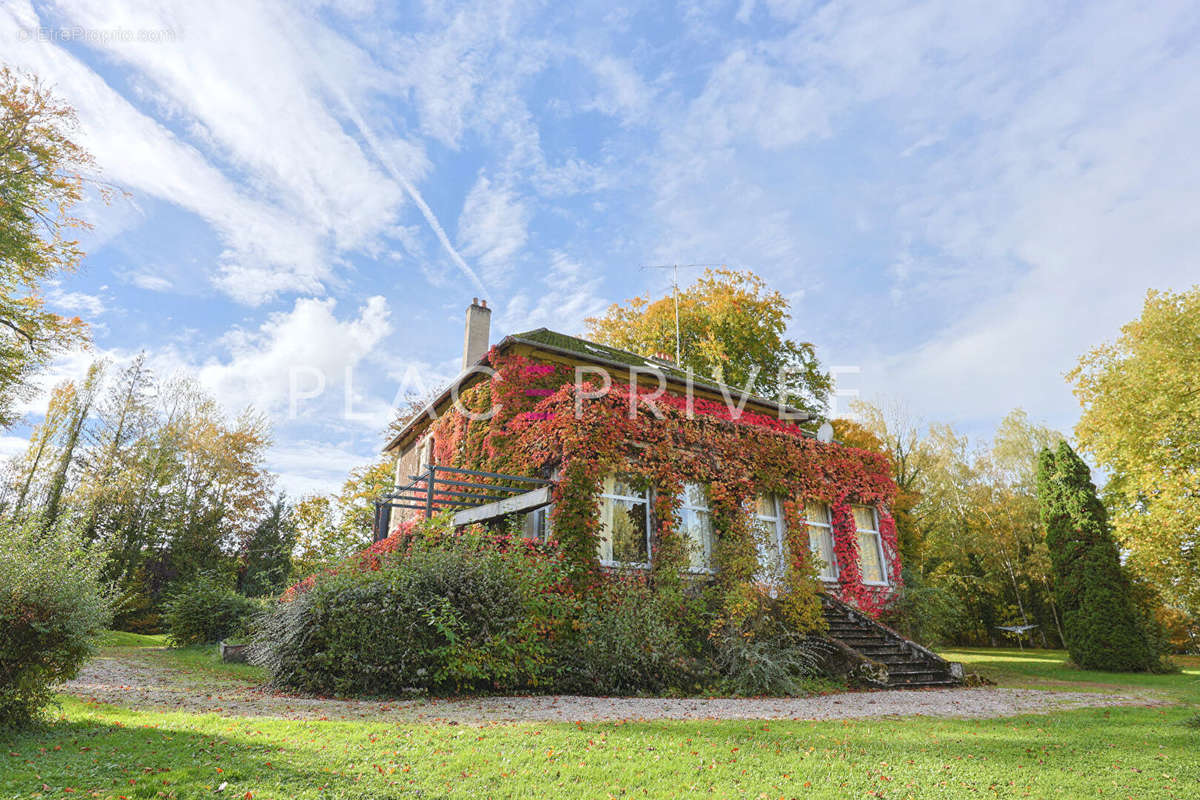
x=868, y=556
x=628, y=531
x=817, y=512
x=864, y=518
x=695, y=525
x=820, y=541
x=604, y=546
x=764, y=505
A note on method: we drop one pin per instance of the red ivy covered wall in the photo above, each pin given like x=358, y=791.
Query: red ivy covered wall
x=536, y=424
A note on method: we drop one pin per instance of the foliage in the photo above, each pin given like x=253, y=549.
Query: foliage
x=764, y=657
x=205, y=610
x=540, y=425
x=267, y=556
x=330, y=528
x=925, y=611
x=732, y=328
x=41, y=180
x=153, y=472
x=1102, y=626
x=448, y=616
x=52, y=611
x=967, y=525
x=889, y=430
x=1141, y=421
x=619, y=633
x=625, y=638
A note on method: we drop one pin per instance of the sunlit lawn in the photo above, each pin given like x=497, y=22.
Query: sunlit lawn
x=107, y=751
x=1049, y=669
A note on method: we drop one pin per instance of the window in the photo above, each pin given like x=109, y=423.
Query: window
x=770, y=527
x=536, y=524
x=820, y=539
x=695, y=523
x=870, y=547
x=625, y=522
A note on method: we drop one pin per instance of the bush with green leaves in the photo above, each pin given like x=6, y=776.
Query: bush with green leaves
x=52, y=610
x=625, y=638
x=206, y=610
x=925, y=611
x=1103, y=627
x=444, y=619
x=469, y=612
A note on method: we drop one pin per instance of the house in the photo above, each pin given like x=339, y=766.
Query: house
x=633, y=464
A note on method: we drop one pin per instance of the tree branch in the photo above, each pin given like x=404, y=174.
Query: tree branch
x=18, y=329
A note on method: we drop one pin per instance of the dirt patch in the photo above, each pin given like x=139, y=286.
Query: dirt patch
x=140, y=683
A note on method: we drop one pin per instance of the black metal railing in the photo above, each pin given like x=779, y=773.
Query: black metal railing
x=439, y=488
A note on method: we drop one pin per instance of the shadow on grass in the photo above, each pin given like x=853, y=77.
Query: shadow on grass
x=151, y=757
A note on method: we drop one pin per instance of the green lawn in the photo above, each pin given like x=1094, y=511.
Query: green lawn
x=1048, y=669
x=106, y=751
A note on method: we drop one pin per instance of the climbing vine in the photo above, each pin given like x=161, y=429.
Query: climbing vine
x=530, y=419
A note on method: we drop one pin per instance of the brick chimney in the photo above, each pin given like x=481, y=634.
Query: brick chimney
x=478, y=333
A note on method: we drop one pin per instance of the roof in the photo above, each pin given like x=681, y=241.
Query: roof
x=602, y=354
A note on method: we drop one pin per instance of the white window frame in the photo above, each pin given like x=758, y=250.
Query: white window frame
x=828, y=531
x=685, y=510
x=883, y=564
x=647, y=499
x=779, y=523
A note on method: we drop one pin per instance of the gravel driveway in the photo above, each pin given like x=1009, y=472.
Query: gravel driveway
x=144, y=684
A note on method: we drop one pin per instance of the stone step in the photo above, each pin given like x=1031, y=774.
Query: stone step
x=908, y=666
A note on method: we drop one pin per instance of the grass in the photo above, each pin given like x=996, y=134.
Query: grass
x=1048, y=669
x=112, y=639
x=194, y=659
x=108, y=751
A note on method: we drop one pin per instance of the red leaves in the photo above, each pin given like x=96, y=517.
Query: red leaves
x=544, y=422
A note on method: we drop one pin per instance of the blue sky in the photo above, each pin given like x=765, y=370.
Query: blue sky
x=958, y=198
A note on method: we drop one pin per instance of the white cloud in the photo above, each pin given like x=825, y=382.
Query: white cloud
x=493, y=227
x=306, y=342
x=307, y=466
x=12, y=446
x=89, y=304
x=151, y=283
x=621, y=92
x=560, y=299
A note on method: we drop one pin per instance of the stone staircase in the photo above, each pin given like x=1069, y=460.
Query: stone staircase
x=905, y=663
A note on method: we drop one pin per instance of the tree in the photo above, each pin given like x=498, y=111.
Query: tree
x=333, y=527
x=732, y=328
x=79, y=417
x=267, y=557
x=41, y=180
x=1141, y=422
x=1102, y=625
x=891, y=431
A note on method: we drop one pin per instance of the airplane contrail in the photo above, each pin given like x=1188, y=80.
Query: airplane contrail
x=386, y=160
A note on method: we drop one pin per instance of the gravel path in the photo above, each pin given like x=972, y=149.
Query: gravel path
x=144, y=684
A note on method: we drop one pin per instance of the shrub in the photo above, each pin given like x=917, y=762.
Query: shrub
x=204, y=610
x=439, y=611
x=625, y=638
x=779, y=664
x=1102, y=625
x=924, y=611
x=52, y=610
x=454, y=618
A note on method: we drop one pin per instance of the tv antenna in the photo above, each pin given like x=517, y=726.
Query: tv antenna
x=675, y=294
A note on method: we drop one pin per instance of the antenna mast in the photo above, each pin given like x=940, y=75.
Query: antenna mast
x=675, y=295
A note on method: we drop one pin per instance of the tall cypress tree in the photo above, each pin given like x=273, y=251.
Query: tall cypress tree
x=1102, y=626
